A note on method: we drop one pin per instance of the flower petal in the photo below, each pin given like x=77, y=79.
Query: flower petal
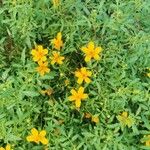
x=96, y=57
x=8, y=147
x=78, y=103
x=59, y=36
x=91, y=45
x=84, y=49
x=85, y=96
x=73, y=92
x=81, y=90
x=87, y=58
x=44, y=140
x=77, y=73
x=30, y=138
x=33, y=52
x=72, y=98
x=87, y=80
x=45, y=51
x=80, y=80
x=42, y=133
x=34, y=132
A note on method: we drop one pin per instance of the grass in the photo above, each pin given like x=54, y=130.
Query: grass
x=119, y=79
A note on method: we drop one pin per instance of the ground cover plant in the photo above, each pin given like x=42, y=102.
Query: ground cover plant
x=74, y=74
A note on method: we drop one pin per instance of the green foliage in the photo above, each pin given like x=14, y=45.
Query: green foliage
x=119, y=81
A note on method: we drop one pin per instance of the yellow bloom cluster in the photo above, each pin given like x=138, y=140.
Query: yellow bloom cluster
x=40, y=55
x=83, y=74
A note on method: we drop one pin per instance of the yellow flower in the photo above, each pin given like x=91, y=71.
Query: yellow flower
x=39, y=53
x=42, y=68
x=91, y=52
x=56, y=3
x=37, y=136
x=95, y=119
x=83, y=75
x=77, y=96
x=7, y=147
x=57, y=58
x=125, y=120
x=57, y=42
x=147, y=142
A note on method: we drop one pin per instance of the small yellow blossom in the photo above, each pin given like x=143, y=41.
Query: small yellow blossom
x=42, y=68
x=57, y=42
x=83, y=75
x=91, y=52
x=57, y=58
x=7, y=147
x=125, y=120
x=39, y=53
x=95, y=119
x=77, y=96
x=147, y=142
x=56, y=3
x=37, y=136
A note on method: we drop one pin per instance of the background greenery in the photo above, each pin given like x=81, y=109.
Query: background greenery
x=121, y=27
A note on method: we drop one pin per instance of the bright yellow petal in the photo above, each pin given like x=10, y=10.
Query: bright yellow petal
x=89, y=73
x=33, y=52
x=77, y=73
x=35, y=58
x=34, y=132
x=8, y=147
x=91, y=45
x=84, y=49
x=59, y=36
x=87, y=58
x=80, y=80
x=43, y=58
x=81, y=90
x=45, y=51
x=44, y=140
x=42, y=133
x=47, y=70
x=40, y=48
x=84, y=96
x=1, y=148
x=72, y=98
x=30, y=138
x=78, y=103
x=98, y=50
x=83, y=70
x=73, y=92
x=87, y=80
x=96, y=57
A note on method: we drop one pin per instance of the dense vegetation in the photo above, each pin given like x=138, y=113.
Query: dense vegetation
x=74, y=74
